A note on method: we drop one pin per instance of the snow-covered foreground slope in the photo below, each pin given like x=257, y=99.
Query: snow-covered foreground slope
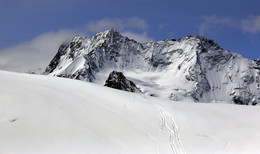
x=41, y=114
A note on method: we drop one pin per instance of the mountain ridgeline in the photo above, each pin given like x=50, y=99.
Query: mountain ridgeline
x=191, y=68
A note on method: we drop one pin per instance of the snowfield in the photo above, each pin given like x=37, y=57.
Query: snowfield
x=42, y=114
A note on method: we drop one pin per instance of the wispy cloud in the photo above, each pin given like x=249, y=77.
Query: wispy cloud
x=33, y=54
x=125, y=26
x=210, y=23
x=251, y=24
x=213, y=23
x=119, y=24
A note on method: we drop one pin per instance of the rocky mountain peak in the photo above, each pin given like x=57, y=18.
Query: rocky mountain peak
x=111, y=35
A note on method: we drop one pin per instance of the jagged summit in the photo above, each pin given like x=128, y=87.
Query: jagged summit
x=191, y=68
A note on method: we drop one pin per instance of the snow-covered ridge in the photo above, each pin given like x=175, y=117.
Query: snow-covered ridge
x=191, y=68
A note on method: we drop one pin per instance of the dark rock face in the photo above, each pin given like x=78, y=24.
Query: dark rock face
x=238, y=100
x=117, y=80
x=257, y=61
x=257, y=64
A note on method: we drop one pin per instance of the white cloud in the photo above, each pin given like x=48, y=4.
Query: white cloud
x=251, y=24
x=143, y=38
x=38, y=52
x=33, y=54
x=212, y=22
x=125, y=26
x=119, y=24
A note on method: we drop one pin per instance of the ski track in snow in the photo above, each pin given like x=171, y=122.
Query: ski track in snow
x=169, y=123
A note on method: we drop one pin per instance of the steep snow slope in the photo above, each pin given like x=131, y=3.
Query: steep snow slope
x=192, y=68
x=41, y=114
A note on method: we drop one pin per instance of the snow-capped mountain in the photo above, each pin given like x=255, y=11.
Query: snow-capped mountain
x=191, y=68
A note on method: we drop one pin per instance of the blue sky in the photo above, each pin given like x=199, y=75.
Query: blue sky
x=35, y=28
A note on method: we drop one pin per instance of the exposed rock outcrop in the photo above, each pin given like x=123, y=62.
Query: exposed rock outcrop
x=117, y=80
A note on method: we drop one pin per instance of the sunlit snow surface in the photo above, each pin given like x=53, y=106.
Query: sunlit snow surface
x=41, y=114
